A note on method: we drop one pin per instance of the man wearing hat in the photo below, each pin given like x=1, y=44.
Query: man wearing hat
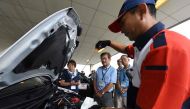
x=161, y=57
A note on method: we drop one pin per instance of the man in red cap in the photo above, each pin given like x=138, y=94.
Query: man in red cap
x=161, y=57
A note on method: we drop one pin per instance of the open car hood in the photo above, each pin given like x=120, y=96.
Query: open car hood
x=44, y=50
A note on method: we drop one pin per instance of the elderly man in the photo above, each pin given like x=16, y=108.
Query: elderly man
x=104, y=81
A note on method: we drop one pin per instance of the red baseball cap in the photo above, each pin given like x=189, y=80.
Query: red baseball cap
x=127, y=5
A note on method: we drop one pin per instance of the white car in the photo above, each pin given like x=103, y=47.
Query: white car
x=31, y=64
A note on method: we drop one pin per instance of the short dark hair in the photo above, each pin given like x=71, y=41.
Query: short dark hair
x=106, y=53
x=72, y=62
x=125, y=55
x=151, y=8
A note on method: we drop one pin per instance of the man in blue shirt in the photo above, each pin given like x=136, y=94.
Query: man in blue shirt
x=122, y=85
x=70, y=78
x=105, y=78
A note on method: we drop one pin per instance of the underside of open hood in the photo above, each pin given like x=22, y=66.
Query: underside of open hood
x=48, y=45
x=52, y=53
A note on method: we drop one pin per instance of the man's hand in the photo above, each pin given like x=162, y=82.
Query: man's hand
x=122, y=91
x=125, y=89
x=102, y=44
x=99, y=94
x=73, y=83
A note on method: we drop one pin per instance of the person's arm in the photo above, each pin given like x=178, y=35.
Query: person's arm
x=62, y=79
x=94, y=85
x=77, y=83
x=127, y=85
x=107, y=88
x=129, y=49
x=164, y=78
x=112, y=82
x=118, y=86
x=122, y=90
x=117, y=46
x=63, y=83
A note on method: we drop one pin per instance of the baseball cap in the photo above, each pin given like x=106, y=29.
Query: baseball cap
x=127, y=5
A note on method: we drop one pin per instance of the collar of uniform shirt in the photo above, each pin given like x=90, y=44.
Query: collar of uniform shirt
x=120, y=68
x=103, y=67
x=73, y=73
x=143, y=39
x=128, y=67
